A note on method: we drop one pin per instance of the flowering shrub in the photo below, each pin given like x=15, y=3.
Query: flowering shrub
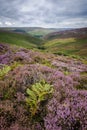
x=4, y=48
x=22, y=70
x=71, y=114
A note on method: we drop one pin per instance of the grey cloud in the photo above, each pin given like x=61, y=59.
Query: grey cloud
x=47, y=13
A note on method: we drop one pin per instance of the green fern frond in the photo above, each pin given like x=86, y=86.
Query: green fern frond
x=31, y=94
x=37, y=94
x=4, y=71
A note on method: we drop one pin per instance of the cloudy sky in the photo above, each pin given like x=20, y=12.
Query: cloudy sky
x=43, y=13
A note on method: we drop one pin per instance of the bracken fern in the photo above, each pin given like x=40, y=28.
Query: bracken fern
x=38, y=93
x=4, y=71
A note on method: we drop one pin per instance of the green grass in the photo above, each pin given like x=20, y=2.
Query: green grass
x=67, y=46
x=23, y=40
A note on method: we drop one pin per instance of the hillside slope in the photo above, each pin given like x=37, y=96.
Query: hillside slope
x=40, y=91
x=23, y=40
x=75, y=33
x=34, y=31
x=68, y=42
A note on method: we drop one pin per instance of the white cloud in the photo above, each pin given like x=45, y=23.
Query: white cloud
x=7, y=23
x=0, y=23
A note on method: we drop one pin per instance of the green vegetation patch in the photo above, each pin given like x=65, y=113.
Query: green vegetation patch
x=71, y=46
x=22, y=40
x=4, y=71
x=39, y=92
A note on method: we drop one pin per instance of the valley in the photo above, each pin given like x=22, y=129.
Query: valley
x=43, y=81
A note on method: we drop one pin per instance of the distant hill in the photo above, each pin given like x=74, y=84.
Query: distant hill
x=41, y=32
x=34, y=31
x=19, y=31
x=67, y=42
x=24, y=40
x=75, y=33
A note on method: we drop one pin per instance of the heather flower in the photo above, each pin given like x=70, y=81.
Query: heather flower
x=66, y=110
x=71, y=114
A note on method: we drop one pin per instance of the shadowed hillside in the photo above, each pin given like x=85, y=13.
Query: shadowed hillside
x=75, y=33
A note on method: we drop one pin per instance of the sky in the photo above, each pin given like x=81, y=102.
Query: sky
x=43, y=13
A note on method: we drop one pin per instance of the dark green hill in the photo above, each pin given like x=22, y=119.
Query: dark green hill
x=19, y=39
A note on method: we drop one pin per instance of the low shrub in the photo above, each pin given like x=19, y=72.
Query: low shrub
x=38, y=93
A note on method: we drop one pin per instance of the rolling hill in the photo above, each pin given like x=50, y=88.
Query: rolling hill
x=34, y=31
x=24, y=40
x=75, y=33
x=68, y=42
